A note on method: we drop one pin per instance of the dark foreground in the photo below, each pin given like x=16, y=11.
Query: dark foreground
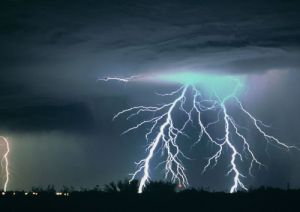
x=158, y=198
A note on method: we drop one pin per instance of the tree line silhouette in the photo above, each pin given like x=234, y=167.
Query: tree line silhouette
x=157, y=196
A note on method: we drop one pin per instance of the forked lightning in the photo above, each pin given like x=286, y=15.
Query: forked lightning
x=163, y=133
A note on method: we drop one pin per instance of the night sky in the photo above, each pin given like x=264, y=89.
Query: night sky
x=58, y=117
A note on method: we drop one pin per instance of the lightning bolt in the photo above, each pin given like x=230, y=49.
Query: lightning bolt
x=163, y=133
x=126, y=79
x=5, y=163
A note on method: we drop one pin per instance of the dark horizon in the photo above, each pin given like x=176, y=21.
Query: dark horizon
x=158, y=196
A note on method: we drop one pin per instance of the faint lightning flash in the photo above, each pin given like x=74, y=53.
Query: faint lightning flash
x=4, y=162
x=163, y=133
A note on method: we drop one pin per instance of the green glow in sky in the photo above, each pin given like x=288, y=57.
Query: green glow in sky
x=221, y=85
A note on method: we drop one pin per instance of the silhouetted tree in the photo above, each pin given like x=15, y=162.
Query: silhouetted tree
x=160, y=187
x=122, y=186
x=96, y=188
x=37, y=189
x=50, y=189
x=125, y=186
x=67, y=189
x=111, y=188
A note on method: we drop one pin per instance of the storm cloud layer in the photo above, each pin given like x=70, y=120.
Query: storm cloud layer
x=52, y=52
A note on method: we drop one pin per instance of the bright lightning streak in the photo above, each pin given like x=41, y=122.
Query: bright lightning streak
x=167, y=135
x=163, y=133
x=127, y=79
x=4, y=162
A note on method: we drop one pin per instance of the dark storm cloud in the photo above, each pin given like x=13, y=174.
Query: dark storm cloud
x=50, y=117
x=147, y=28
x=57, y=49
